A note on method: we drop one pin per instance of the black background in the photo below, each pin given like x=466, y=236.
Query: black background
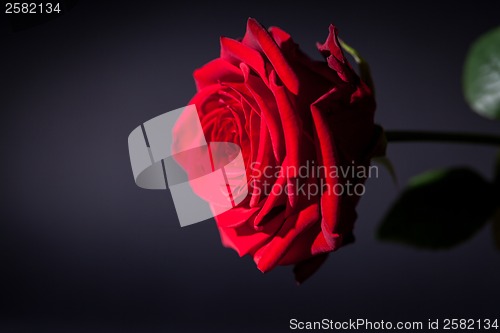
x=83, y=249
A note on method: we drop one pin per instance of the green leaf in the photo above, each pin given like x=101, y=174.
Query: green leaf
x=481, y=77
x=439, y=209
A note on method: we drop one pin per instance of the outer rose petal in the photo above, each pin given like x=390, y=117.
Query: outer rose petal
x=216, y=71
x=269, y=255
x=245, y=240
x=335, y=57
x=316, y=72
x=259, y=38
x=236, y=217
x=237, y=52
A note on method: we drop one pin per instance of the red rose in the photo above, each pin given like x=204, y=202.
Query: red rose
x=287, y=111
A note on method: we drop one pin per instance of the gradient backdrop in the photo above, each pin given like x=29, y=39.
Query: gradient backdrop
x=83, y=249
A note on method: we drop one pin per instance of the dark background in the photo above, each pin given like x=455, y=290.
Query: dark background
x=83, y=249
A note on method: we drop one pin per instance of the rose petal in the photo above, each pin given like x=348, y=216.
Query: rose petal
x=292, y=126
x=259, y=38
x=236, y=52
x=235, y=217
x=335, y=57
x=269, y=255
x=277, y=197
x=217, y=70
x=329, y=201
x=263, y=160
x=245, y=240
x=269, y=113
x=281, y=37
x=254, y=131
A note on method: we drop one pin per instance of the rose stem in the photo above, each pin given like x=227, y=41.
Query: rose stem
x=409, y=136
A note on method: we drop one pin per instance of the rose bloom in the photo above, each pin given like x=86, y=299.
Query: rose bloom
x=286, y=110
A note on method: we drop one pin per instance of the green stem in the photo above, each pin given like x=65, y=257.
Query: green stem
x=424, y=136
